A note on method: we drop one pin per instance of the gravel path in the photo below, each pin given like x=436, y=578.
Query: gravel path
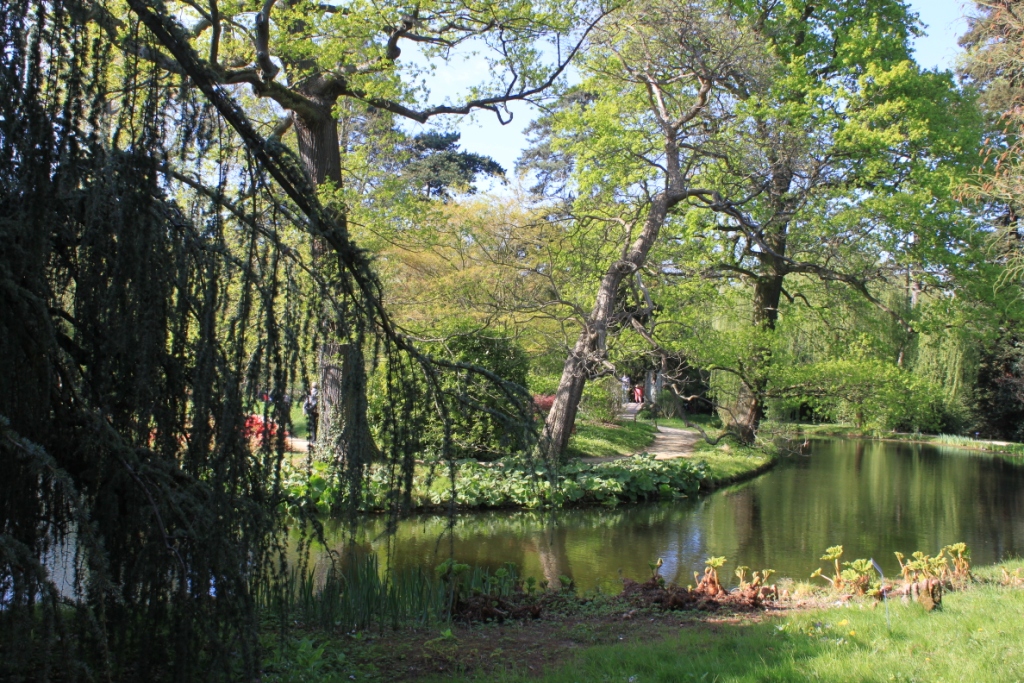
x=669, y=442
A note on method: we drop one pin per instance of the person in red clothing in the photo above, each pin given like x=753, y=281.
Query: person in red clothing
x=638, y=394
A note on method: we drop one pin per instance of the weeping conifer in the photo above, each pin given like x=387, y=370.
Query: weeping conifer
x=153, y=280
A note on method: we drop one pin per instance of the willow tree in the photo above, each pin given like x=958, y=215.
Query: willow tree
x=658, y=90
x=309, y=60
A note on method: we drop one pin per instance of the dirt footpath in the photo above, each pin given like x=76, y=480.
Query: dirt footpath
x=672, y=443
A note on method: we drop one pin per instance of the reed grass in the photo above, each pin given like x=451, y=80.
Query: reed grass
x=356, y=595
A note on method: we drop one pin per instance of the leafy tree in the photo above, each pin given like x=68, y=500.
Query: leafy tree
x=840, y=169
x=310, y=60
x=479, y=428
x=659, y=78
x=439, y=168
x=852, y=155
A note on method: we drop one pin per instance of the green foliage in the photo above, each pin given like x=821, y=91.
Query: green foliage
x=479, y=408
x=923, y=566
x=512, y=483
x=868, y=391
x=715, y=562
x=544, y=385
x=440, y=169
x=832, y=554
x=857, y=575
x=602, y=400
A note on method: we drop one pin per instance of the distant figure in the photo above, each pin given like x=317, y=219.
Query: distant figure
x=311, y=407
x=638, y=394
x=625, y=388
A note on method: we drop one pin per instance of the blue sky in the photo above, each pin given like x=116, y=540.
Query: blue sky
x=482, y=133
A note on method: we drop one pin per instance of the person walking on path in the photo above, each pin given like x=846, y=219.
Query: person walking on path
x=311, y=407
x=638, y=394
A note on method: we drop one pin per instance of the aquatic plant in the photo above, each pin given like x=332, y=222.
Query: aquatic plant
x=656, y=567
x=709, y=584
x=960, y=556
x=741, y=574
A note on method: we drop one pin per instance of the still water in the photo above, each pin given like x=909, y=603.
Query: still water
x=872, y=498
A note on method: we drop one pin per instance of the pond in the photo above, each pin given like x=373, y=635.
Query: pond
x=873, y=498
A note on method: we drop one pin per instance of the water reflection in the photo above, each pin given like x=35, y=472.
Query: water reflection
x=873, y=498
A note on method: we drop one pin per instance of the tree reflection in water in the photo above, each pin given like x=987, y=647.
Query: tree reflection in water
x=874, y=498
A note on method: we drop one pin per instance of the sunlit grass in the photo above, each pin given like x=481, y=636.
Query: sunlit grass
x=727, y=459
x=730, y=461
x=975, y=637
x=848, y=430
x=601, y=440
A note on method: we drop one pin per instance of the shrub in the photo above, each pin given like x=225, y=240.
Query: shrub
x=475, y=405
x=514, y=483
x=543, y=403
x=602, y=400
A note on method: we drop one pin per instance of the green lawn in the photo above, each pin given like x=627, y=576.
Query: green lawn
x=603, y=440
x=729, y=461
x=726, y=460
x=976, y=636
x=299, y=429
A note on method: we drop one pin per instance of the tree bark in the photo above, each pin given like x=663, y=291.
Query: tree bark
x=750, y=403
x=341, y=366
x=319, y=146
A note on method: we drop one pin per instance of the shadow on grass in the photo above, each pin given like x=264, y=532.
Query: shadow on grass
x=974, y=638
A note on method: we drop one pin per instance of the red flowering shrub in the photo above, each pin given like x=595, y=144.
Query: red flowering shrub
x=543, y=402
x=257, y=429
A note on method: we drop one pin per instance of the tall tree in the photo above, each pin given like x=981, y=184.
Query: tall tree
x=850, y=156
x=659, y=83
x=308, y=57
x=839, y=168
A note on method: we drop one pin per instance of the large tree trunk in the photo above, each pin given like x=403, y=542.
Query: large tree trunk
x=589, y=350
x=319, y=146
x=749, y=410
x=343, y=426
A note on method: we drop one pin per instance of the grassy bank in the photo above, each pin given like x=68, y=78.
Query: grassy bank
x=515, y=483
x=975, y=636
x=609, y=440
x=728, y=461
x=854, y=432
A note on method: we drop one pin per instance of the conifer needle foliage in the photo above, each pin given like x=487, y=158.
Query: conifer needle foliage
x=156, y=275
